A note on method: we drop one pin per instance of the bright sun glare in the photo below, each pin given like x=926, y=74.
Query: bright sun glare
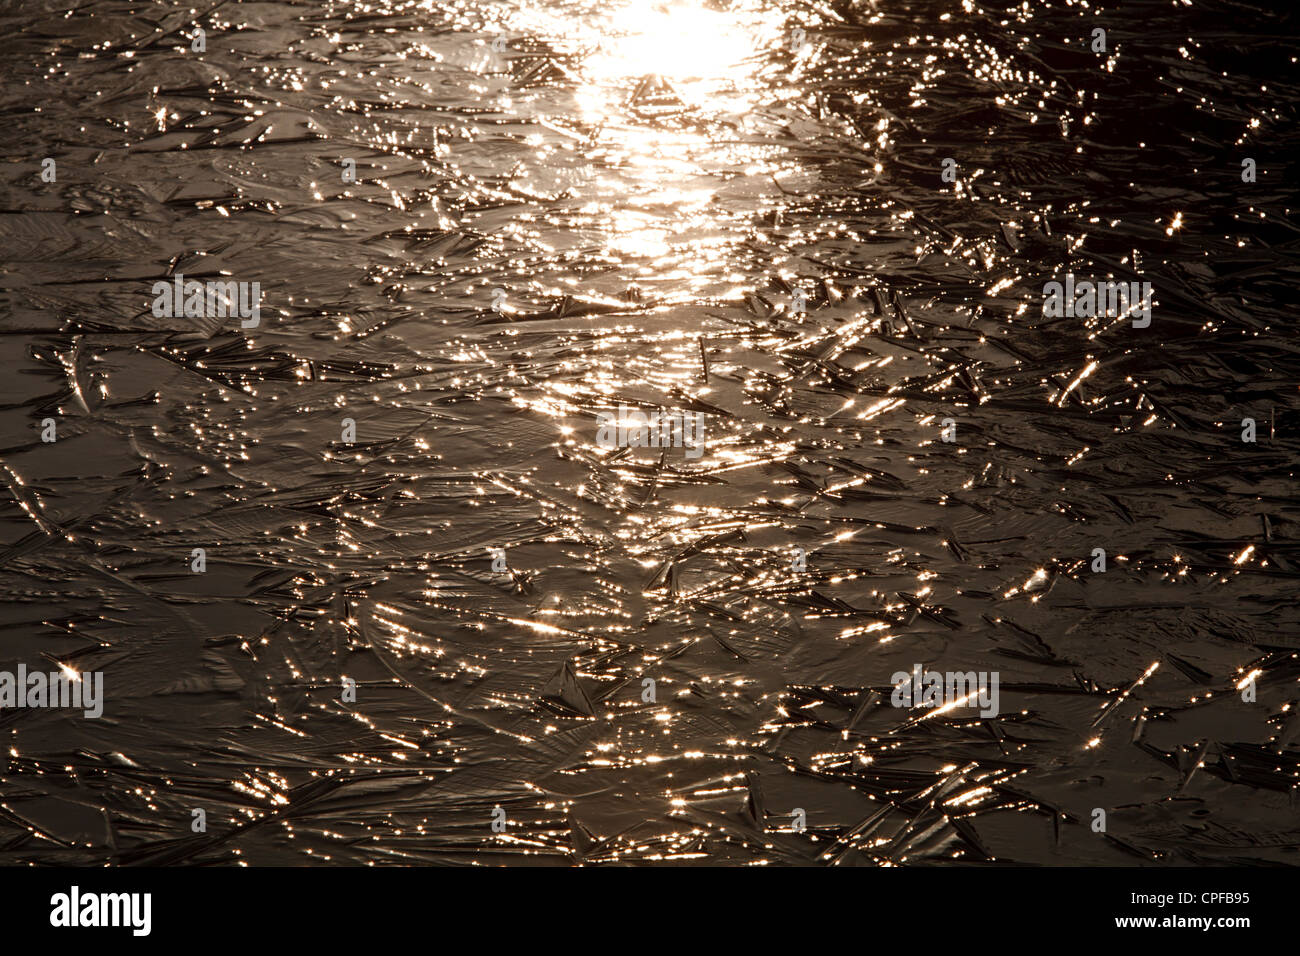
x=693, y=46
x=651, y=193
x=681, y=40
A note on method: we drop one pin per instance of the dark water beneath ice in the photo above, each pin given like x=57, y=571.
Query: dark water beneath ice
x=650, y=188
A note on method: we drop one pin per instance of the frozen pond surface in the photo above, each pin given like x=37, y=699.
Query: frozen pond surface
x=478, y=227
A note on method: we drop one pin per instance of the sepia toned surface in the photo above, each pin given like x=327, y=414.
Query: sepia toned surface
x=560, y=208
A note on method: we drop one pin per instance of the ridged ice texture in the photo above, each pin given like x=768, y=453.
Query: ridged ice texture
x=561, y=207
